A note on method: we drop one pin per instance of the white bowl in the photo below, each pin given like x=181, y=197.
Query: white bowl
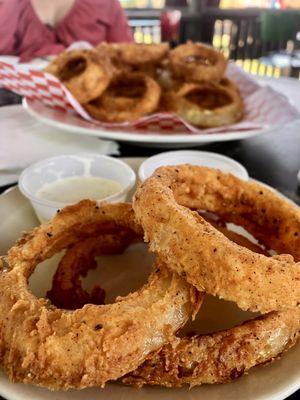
x=56, y=168
x=202, y=158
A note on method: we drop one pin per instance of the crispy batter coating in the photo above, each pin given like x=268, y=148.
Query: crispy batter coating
x=136, y=54
x=85, y=73
x=215, y=358
x=135, y=57
x=129, y=97
x=161, y=81
x=112, y=51
x=67, y=291
x=196, y=62
x=226, y=355
x=58, y=349
x=211, y=262
x=222, y=356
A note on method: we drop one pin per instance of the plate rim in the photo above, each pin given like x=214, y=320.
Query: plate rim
x=143, y=138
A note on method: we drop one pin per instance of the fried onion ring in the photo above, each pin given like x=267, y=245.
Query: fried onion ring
x=207, y=104
x=139, y=54
x=209, y=261
x=129, y=97
x=84, y=72
x=222, y=356
x=112, y=51
x=135, y=57
x=197, y=62
x=226, y=355
x=53, y=348
x=67, y=291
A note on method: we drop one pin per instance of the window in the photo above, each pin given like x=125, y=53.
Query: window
x=143, y=3
x=257, y=3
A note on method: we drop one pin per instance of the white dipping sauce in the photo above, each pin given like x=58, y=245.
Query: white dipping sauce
x=74, y=189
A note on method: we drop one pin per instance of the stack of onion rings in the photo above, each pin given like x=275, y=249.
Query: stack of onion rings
x=196, y=360
x=135, y=339
x=162, y=80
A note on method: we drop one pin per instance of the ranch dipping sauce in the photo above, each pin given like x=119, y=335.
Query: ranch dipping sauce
x=74, y=189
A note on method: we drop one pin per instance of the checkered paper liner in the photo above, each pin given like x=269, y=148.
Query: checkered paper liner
x=264, y=107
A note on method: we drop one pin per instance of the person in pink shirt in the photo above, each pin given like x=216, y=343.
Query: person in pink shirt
x=37, y=28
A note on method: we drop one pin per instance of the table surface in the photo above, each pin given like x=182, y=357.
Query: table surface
x=273, y=158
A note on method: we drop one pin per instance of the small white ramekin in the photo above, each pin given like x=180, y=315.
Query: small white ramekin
x=194, y=157
x=56, y=168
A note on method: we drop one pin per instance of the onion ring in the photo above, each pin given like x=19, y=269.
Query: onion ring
x=222, y=356
x=128, y=98
x=135, y=57
x=67, y=291
x=197, y=62
x=210, y=261
x=207, y=104
x=112, y=51
x=139, y=54
x=49, y=347
x=84, y=73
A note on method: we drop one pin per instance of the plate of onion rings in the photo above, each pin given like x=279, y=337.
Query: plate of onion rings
x=76, y=125
x=240, y=341
x=157, y=96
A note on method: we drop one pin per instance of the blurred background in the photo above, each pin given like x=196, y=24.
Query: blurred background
x=263, y=36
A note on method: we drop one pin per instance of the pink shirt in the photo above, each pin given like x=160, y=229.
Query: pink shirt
x=23, y=34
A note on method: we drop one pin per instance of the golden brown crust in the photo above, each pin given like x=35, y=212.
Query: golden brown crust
x=220, y=357
x=50, y=347
x=196, y=62
x=112, y=51
x=226, y=355
x=210, y=261
x=215, y=358
x=129, y=97
x=136, y=54
x=84, y=73
x=167, y=79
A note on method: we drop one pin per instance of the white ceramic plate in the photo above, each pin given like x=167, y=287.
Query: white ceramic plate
x=77, y=125
x=273, y=382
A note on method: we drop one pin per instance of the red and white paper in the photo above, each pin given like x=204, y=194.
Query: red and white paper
x=264, y=107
